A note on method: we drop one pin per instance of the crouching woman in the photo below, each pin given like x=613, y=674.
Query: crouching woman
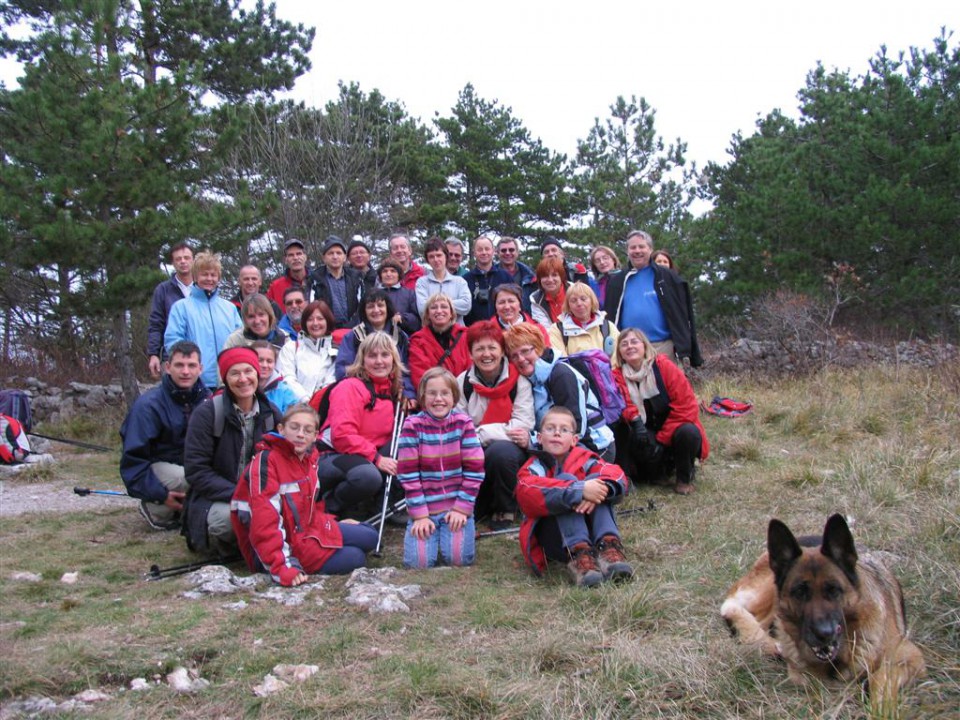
x=281, y=525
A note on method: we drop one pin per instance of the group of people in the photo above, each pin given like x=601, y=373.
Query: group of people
x=280, y=415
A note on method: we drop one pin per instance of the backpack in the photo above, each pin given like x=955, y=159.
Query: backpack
x=16, y=404
x=14, y=446
x=321, y=398
x=595, y=367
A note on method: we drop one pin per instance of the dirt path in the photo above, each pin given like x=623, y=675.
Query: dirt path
x=20, y=497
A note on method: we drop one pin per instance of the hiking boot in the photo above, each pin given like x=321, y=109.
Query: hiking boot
x=147, y=510
x=613, y=563
x=684, y=486
x=583, y=566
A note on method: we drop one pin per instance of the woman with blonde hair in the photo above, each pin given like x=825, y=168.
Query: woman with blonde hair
x=661, y=422
x=582, y=325
x=359, y=425
x=440, y=342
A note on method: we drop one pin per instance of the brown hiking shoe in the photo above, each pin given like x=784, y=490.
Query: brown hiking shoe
x=583, y=566
x=613, y=563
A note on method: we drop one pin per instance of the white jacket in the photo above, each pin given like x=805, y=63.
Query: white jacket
x=307, y=364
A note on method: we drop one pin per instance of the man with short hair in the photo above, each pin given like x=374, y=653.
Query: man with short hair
x=654, y=299
x=294, y=301
x=203, y=317
x=249, y=282
x=482, y=279
x=401, y=252
x=455, y=257
x=153, y=433
x=358, y=255
x=508, y=254
x=164, y=296
x=576, y=272
x=297, y=273
x=338, y=285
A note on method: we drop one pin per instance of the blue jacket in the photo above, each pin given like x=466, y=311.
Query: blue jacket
x=206, y=319
x=404, y=302
x=154, y=431
x=556, y=383
x=164, y=296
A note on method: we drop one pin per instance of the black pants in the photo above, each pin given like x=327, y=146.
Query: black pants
x=681, y=454
x=502, y=460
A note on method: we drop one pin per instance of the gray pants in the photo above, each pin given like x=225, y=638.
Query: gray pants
x=220, y=530
x=172, y=478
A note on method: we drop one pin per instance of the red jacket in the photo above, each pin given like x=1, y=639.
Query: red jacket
x=543, y=489
x=351, y=426
x=279, y=286
x=280, y=526
x=410, y=277
x=683, y=405
x=425, y=353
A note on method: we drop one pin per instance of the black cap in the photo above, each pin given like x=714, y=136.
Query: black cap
x=550, y=241
x=357, y=243
x=293, y=241
x=333, y=241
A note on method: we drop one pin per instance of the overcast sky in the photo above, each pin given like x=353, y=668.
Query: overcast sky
x=709, y=68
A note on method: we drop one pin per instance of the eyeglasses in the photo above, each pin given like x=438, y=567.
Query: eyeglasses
x=507, y=251
x=288, y=303
x=526, y=351
x=556, y=430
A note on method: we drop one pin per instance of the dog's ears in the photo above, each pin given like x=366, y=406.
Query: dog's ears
x=839, y=547
x=783, y=549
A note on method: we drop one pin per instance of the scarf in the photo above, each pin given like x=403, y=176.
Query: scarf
x=499, y=405
x=641, y=384
x=364, y=329
x=555, y=304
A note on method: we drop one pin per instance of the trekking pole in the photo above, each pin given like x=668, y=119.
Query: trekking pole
x=391, y=511
x=158, y=573
x=83, y=492
x=78, y=443
x=394, y=441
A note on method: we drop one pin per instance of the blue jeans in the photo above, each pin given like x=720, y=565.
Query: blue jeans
x=558, y=533
x=454, y=548
x=358, y=540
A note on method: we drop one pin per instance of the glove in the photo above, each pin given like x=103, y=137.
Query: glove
x=645, y=443
x=639, y=434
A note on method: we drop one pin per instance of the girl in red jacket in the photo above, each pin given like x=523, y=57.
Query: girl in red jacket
x=661, y=422
x=281, y=525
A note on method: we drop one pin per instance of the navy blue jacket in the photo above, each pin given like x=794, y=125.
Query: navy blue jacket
x=154, y=431
x=164, y=296
x=404, y=302
x=481, y=284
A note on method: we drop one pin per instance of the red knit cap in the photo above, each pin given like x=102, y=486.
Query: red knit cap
x=228, y=358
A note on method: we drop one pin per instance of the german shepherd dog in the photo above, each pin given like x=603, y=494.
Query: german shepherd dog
x=826, y=611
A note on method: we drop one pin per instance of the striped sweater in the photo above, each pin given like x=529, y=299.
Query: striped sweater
x=439, y=464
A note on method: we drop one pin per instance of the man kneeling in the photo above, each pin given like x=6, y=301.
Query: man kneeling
x=153, y=434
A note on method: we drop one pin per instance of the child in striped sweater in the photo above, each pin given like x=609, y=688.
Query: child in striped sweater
x=440, y=465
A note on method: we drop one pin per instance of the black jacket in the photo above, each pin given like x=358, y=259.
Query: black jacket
x=212, y=465
x=675, y=301
x=355, y=289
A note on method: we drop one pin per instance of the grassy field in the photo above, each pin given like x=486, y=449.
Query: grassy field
x=878, y=445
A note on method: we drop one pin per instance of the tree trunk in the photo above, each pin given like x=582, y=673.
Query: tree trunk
x=121, y=346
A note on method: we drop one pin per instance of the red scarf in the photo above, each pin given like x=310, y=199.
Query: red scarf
x=555, y=304
x=500, y=406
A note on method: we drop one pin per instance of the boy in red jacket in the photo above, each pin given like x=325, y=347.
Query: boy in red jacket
x=566, y=494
